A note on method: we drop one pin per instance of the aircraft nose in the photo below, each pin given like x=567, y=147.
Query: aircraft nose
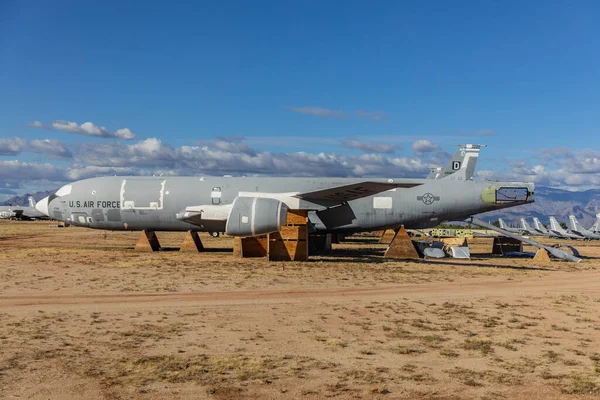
x=42, y=206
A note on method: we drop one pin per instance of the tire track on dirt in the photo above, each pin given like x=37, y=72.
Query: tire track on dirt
x=581, y=283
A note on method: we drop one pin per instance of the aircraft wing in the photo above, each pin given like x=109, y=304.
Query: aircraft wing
x=353, y=191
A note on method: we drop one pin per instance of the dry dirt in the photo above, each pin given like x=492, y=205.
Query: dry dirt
x=82, y=315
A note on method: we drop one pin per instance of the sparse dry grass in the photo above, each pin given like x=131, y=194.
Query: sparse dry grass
x=352, y=327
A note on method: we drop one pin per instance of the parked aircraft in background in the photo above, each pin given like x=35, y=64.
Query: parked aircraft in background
x=7, y=213
x=463, y=161
x=539, y=227
x=578, y=229
x=596, y=227
x=561, y=232
x=507, y=228
x=257, y=206
x=526, y=229
x=22, y=212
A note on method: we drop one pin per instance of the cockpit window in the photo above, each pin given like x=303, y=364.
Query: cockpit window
x=63, y=191
x=511, y=194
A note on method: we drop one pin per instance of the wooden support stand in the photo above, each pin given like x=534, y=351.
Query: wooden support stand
x=401, y=246
x=147, y=242
x=192, y=242
x=250, y=247
x=291, y=242
x=388, y=235
x=503, y=244
x=542, y=256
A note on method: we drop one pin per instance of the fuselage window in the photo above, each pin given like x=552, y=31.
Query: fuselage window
x=216, y=195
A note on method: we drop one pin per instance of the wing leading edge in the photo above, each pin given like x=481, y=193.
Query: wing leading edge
x=353, y=191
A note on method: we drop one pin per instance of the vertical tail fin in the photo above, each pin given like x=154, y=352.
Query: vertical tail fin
x=462, y=164
x=574, y=224
x=596, y=226
x=502, y=224
x=538, y=225
x=555, y=226
x=525, y=226
x=435, y=173
x=31, y=202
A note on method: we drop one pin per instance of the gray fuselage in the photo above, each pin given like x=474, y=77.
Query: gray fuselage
x=154, y=203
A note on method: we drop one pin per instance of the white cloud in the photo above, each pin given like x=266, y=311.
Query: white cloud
x=318, y=112
x=423, y=146
x=11, y=147
x=231, y=155
x=369, y=147
x=124, y=133
x=24, y=171
x=86, y=129
x=52, y=148
x=372, y=115
x=220, y=157
x=329, y=113
x=560, y=167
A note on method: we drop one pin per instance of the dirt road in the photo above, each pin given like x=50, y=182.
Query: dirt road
x=83, y=316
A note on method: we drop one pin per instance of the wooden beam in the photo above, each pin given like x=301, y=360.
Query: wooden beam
x=250, y=247
x=148, y=241
x=192, y=243
x=291, y=242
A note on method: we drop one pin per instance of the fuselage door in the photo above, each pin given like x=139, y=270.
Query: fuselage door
x=142, y=194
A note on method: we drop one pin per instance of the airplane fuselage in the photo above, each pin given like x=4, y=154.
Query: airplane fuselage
x=157, y=203
x=20, y=212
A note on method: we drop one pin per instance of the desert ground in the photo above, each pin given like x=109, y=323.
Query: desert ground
x=83, y=315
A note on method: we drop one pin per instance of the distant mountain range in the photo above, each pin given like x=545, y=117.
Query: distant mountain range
x=548, y=201
x=23, y=200
x=557, y=202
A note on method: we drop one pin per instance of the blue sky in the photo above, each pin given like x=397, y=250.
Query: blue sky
x=294, y=77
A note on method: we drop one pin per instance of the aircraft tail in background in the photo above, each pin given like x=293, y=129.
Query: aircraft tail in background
x=538, y=226
x=461, y=166
x=508, y=228
x=555, y=226
x=578, y=229
x=562, y=232
x=31, y=202
x=527, y=228
x=574, y=224
x=596, y=226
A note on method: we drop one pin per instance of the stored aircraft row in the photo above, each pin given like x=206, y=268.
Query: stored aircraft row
x=22, y=212
x=574, y=230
